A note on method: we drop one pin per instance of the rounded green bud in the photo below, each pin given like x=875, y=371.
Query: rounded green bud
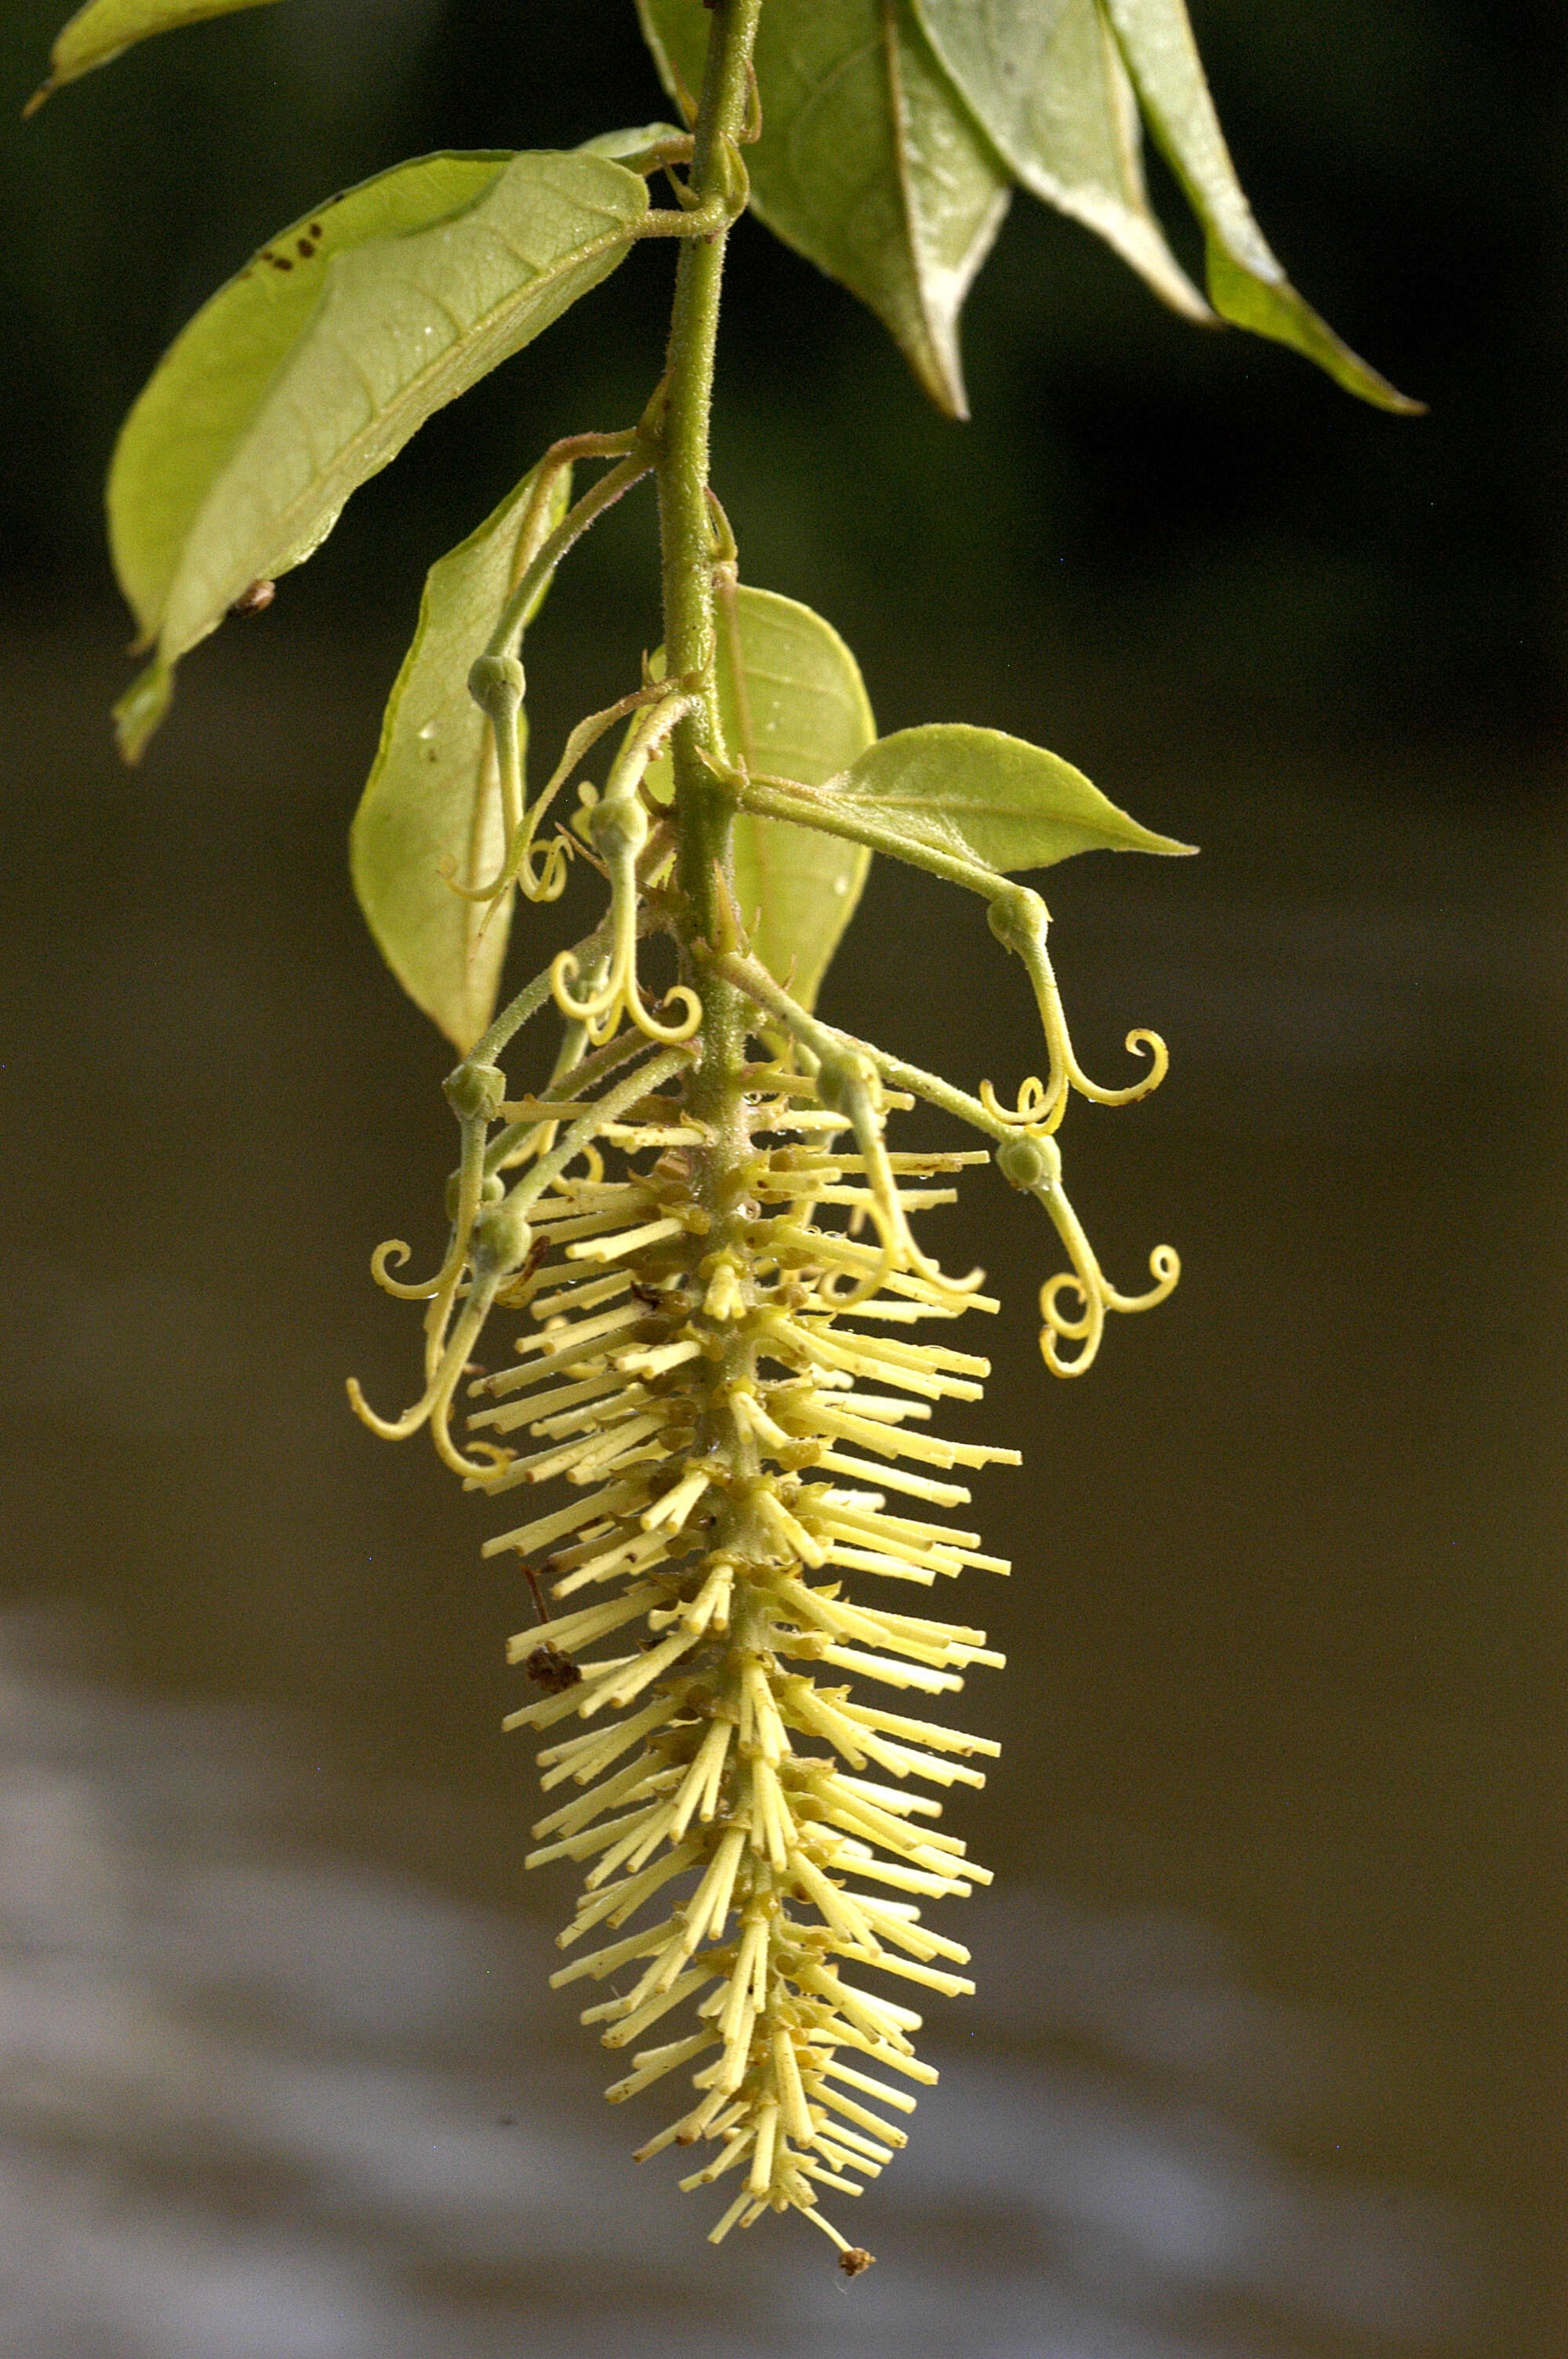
x=1018, y=918
x=496, y=682
x=621, y=825
x=1030, y=1163
x=501, y=1237
x=840, y=1074
x=475, y=1092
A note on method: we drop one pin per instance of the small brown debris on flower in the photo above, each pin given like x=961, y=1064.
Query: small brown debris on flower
x=550, y=1669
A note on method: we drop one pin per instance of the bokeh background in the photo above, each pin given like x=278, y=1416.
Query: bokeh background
x=1267, y=2054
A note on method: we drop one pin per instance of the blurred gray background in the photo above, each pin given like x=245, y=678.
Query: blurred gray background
x=1267, y=2051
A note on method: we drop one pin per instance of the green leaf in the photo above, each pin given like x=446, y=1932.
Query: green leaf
x=1048, y=85
x=620, y=145
x=401, y=325
x=869, y=164
x=979, y=796
x=792, y=702
x=433, y=796
x=210, y=384
x=104, y=27
x=1246, y=284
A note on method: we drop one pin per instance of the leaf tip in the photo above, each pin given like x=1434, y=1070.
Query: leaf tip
x=1374, y=388
x=951, y=396
x=142, y=708
x=1267, y=305
x=1137, y=838
x=45, y=89
x=462, y=1036
x=940, y=373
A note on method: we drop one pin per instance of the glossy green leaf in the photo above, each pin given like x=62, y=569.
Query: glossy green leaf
x=1048, y=85
x=104, y=27
x=792, y=704
x=869, y=164
x=402, y=325
x=977, y=795
x=431, y=808
x=207, y=389
x=1246, y=283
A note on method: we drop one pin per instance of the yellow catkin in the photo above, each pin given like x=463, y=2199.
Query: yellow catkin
x=727, y=1542
x=728, y=1396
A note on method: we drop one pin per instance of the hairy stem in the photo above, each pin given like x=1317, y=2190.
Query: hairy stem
x=703, y=816
x=809, y=807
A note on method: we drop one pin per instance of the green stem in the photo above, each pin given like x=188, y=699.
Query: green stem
x=570, y=529
x=703, y=815
x=939, y=1093
x=777, y=798
x=526, y=1004
x=750, y=976
x=583, y=1072
x=586, y=1129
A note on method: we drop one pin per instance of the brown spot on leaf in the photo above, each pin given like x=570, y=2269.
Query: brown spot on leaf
x=256, y=600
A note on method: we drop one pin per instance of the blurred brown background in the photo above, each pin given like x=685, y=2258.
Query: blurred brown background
x=1267, y=2049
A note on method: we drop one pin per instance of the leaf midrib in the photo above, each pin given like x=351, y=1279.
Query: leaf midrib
x=475, y=340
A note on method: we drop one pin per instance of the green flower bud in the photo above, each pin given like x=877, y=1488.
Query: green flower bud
x=618, y=825
x=475, y=1090
x=501, y=1237
x=1030, y=1163
x=1018, y=918
x=840, y=1075
x=495, y=682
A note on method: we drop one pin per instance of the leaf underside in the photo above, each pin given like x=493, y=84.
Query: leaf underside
x=619, y=144
x=890, y=129
x=869, y=164
x=210, y=384
x=400, y=325
x=104, y=27
x=433, y=796
x=1049, y=86
x=792, y=704
x=1246, y=283
x=980, y=795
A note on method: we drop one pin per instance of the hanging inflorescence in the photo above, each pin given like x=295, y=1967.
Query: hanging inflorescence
x=715, y=1351
x=693, y=1250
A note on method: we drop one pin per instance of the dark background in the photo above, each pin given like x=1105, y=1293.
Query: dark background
x=1199, y=524
x=1268, y=2039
